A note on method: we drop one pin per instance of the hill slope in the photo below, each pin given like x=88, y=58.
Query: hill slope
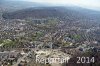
x=68, y=13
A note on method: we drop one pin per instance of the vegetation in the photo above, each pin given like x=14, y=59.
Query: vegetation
x=37, y=35
x=52, y=22
x=7, y=42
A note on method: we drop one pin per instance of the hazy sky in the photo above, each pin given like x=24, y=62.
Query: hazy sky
x=94, y=4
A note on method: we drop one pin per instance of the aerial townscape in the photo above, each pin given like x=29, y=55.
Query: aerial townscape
x=33, y=34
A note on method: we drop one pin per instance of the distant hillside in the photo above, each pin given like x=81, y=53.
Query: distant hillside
x=22, y=10
x=43, y=12
x=9, y=6
x=70, y=13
